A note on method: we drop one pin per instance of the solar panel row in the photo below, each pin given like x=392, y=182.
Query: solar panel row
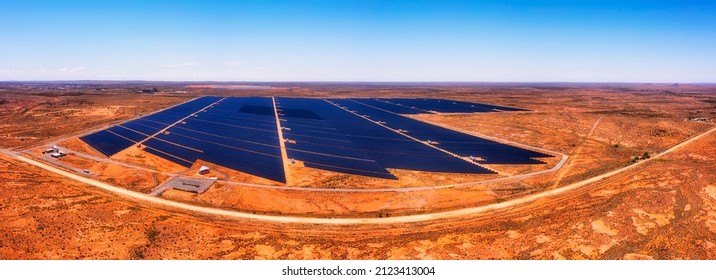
x=352, y=139
x=237, y=133
x=459, y=143
x=493, y=107
x=128, y=133
x=390, y=106
x=171, y=151
x=438, y=105
x=106, y=142
x=117, y=138
x=318, y=144
x=396, y=151
x=144, y=127
x=178, y=112
x=260, y=110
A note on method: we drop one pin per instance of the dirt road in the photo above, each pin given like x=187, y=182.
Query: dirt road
x=573, y=155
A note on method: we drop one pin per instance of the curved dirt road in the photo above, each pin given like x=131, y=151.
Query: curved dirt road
x=343, y=221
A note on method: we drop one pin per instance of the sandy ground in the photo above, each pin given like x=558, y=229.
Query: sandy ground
x=661, y=209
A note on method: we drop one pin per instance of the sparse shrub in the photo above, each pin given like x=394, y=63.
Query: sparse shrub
x=151, y=234
x=137, y=253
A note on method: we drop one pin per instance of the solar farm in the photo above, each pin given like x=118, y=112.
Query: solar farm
x=266, y=136
x=397, y=170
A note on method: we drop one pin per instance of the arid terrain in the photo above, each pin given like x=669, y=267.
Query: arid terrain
x=663, y=208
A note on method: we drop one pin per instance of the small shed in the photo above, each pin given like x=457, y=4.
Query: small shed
x=203, y=169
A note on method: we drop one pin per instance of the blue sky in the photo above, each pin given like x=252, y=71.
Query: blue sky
x=498, y=41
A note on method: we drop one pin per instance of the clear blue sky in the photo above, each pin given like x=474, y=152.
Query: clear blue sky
x=502, y=41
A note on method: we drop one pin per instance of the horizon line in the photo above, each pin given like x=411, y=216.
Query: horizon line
x=358, y=81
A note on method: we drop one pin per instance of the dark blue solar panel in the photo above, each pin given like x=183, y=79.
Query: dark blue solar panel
x=318, y=127
x=175, y=151
x=246, y=124
x=167, y=156
x=106, y=142
x=230, y=135
x=363, y=171
x=388, y=106
x=109, y=144
x=224, y=135
x=166, y=118
x=386, y=147
x=209, y=143
x=339, y=151
x=352, y=166
x=329, y=141
x=440, y=106
x=298, y=113
x=492, y=107
x=146, y=127
x=459, y=143
x=259, y=165
x=259, y=110
x=234, y=131
x=320, y=145
x=238, y=118
x=262, y=161
x=178, y=112
x=132, y=135
x=436, y=105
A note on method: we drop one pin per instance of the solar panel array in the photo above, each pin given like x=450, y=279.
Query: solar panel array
x=117, y=138
x=440, y=105
x=314, y=140
x=230, y=136
x=342, y=141
x=356, y=136
x=464, y=145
